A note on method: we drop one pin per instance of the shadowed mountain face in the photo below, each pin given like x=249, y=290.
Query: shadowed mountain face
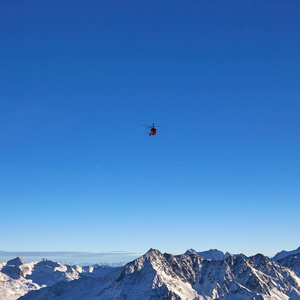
x=188, y=276
x=283, y=254
x=18, y=261
x=292, y=262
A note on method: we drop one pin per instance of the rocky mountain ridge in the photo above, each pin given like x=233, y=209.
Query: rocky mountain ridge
x=213, y=254
x=282, y=254
x=157, y=276
x=18, y=278
x=188, y=276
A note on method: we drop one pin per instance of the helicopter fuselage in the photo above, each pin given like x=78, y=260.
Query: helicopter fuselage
x=152, y=131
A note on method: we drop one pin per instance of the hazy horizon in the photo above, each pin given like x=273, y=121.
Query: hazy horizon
x=82, y=258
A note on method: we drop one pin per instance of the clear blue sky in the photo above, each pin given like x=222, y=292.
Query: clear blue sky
x=78, y=171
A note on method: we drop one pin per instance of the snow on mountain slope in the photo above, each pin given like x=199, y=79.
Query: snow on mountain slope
x=12, y=281
x=213, y=254
x=18, y=278
x=188, y=276
x=292, y=262
x=144, y=278
x=283, y=254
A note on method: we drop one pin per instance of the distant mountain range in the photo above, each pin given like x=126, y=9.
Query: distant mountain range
x=18, y=278
x=283, y=254
x=195, y=275
x=213, y=254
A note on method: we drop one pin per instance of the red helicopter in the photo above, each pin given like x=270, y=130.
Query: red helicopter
x=152, y=129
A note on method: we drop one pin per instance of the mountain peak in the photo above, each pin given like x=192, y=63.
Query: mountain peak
x=152, y=253
x=213, y=254
x=165, y=276
x=18, y=261
x=190, y=251
x=148, y=258
x=152, y=250
x=283, y=254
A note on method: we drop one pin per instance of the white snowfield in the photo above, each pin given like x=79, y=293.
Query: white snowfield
x=18, y=278
x=158, y=276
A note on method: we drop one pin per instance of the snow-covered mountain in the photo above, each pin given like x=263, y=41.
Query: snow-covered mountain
x=213, y=254
x=187, y=276
x=18, y=278
x=282, y=254
x=292, y=262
